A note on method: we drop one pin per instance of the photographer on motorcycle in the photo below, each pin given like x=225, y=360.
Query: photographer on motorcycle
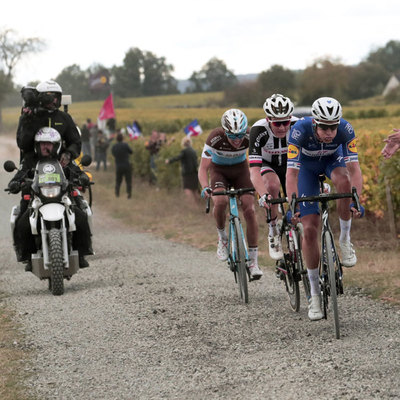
x=47, y=144
x=41, y=108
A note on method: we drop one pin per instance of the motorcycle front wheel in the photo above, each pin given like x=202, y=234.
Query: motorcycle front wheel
x=56, y=280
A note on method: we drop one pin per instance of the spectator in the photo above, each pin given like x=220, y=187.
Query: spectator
x=121, y=152
x=85, y=139
x=392, y=144
x=188, y=159
x=153, y=146
x=101, y=150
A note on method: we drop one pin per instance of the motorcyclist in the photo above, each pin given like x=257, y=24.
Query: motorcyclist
x=47, y=144
x=41, y=108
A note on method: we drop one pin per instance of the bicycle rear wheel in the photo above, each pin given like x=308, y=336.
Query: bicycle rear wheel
x=240, y=262
x=332, y=282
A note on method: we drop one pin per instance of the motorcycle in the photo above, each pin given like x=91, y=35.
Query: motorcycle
x=52, y=200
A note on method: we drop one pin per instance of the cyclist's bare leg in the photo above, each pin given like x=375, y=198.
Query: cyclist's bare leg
x=310, y=240
x=272, y=186
x=341, y=180
x=249, y=214
x=219, y=211
x=311, y=255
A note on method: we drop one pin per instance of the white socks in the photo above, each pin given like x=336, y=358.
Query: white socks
x=253, y=254
x=313, y=277
x=222, y=234
x=272, y=227
x=345, y=227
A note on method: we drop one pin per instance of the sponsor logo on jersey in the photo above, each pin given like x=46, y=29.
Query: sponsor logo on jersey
x=293, y=151
x=352, y=146
x=296, y=134
x=349, y=128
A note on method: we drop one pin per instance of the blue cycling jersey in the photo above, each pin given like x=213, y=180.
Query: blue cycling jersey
x=303, y=145
x=312, y=157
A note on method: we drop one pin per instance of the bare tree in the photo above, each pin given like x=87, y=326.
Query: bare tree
x=13, y=49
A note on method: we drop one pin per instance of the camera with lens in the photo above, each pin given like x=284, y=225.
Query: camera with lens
x=29, y=96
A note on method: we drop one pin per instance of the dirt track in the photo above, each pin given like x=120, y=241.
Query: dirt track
x=153, y=319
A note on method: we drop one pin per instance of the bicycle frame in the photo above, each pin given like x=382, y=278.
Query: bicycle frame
x=234, y=213
x=330, y=268
x=291, y=268
x=238, y=259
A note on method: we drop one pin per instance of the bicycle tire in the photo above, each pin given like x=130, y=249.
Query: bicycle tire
x=240, y=262
x=332, y=282
x=291, y=279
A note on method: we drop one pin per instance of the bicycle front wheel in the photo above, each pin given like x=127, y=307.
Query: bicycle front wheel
x=332, y=281
x=240, y=262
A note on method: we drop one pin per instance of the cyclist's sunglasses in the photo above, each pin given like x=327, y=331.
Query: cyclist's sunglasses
x=325, y=127
x=234, y=136
x=279, y=123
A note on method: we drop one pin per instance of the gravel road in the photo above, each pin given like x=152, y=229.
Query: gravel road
x=151, y=319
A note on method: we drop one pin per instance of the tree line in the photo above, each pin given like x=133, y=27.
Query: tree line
x=143, y=73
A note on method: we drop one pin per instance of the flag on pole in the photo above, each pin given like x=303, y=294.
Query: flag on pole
x=107, y=111
x=133, y=130
x=193, y=129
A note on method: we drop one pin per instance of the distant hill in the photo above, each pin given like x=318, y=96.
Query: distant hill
x=183, y=84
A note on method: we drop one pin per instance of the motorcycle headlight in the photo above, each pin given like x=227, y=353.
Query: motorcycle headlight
x=50, y=191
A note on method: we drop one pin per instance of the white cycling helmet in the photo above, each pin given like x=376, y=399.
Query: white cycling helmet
x=234, y=121
x=47, y=134
x=47, y=91
x=278, y=106
x=326, y=110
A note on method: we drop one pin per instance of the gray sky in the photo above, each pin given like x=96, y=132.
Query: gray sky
x=249, y=35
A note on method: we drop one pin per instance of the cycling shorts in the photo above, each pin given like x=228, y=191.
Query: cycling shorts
x=237, y=175
x=308, y=183
x=279, y=170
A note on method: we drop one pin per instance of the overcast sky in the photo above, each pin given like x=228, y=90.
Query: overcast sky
x=249, y=35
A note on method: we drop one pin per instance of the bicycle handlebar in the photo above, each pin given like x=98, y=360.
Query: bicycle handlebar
x=230, y=192
x=322, y=197
x=233, y=192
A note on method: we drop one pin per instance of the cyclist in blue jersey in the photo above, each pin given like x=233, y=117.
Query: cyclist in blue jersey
x=323, y=144
x=224, y=159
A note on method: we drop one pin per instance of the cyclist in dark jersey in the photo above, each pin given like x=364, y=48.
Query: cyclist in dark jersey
x=224, y=158
x=268, y=157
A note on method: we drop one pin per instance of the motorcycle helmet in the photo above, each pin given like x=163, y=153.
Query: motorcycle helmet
x=47, y=92
x=234, y=122
x=326, y=110
x=47, y=134
x=278, y=106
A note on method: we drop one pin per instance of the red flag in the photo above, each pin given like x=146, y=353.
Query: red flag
x=107, y=111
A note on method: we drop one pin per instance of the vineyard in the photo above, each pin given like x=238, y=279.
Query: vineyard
x=171, y=113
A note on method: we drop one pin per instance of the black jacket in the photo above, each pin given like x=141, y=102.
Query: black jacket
x=121, y=152
x=59, y=120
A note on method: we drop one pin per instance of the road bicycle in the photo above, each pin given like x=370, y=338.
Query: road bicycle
x=330, y=268
x=238, y=259
x=290, y=269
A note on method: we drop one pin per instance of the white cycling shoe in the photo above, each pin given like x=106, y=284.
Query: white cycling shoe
x=314, y=308
x=349, y=258
x=255, y=272
x=275, y=248
x=222, y=250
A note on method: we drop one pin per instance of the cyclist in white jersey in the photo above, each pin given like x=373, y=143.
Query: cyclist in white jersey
x=268, y=157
